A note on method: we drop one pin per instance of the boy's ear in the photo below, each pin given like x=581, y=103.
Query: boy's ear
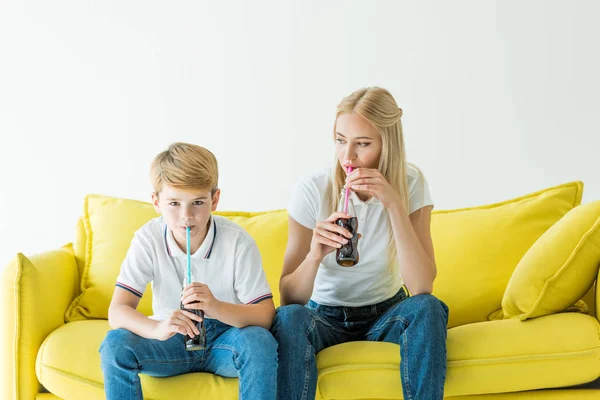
x=215, y=199
x=155, y=202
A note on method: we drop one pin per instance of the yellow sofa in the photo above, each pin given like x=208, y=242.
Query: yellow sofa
x=512, y=334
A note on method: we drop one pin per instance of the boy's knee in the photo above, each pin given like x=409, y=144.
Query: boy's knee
x=117, y=345
x=258, y=341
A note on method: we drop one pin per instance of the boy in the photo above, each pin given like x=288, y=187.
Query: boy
x=230, y=287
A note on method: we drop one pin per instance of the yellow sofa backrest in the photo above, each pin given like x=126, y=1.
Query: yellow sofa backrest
x=476, y=248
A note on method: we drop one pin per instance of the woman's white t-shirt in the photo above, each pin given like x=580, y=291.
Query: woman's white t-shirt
x=370, y=281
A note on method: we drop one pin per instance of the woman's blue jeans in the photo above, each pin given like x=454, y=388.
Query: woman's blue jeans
x=416, y=323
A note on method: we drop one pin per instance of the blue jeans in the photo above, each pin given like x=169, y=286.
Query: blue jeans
x=416, y=323
x=249, y=353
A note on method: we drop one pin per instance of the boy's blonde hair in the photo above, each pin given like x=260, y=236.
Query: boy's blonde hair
x=185, y=166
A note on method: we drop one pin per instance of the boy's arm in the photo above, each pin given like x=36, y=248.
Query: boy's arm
x=122, y=313
x=241, y=315
x=199, y=296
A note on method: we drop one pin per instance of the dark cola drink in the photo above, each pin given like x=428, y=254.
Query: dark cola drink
x=347, y=255
x=197, y=342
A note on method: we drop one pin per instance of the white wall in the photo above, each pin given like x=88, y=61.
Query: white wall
x=500, y=98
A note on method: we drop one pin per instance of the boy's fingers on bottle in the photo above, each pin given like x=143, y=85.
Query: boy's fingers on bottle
x=191, y=326
x=185, y=326
x=193, y=316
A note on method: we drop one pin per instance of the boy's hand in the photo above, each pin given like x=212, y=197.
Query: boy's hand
x=180, y=321
x=197, y=296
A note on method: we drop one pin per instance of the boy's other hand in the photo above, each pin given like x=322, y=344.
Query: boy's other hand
x=180, y=321
x=198, y=296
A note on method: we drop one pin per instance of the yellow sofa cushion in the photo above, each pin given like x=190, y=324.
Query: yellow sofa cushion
x=559, y=268
x=110, y=223
x=68, y=365
x=478, y=248
x=485, y=357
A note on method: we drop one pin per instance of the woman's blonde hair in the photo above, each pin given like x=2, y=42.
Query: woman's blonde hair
x=185, y=166
x=378, y=107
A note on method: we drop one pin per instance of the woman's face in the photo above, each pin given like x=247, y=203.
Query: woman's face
x=357, y=142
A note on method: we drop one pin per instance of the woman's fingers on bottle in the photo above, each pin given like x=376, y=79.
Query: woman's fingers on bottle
x=337, y=215
x=337, y=230
x=329, y=233
x=337, y=238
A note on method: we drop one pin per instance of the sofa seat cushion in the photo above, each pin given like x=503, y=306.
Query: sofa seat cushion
x=68, y=365
x=484, y=357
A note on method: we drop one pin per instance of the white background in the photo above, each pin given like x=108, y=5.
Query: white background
x=500, y=98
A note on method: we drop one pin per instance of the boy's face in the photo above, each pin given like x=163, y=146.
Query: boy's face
x=181, y=208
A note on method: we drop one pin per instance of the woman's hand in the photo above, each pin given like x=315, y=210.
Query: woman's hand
x=328, y=236
x=371, y=181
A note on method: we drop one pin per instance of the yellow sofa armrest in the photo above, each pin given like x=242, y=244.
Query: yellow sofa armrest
x=35, y=292
x=597, y=295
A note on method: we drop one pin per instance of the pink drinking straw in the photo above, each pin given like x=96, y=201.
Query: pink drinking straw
x=347, y=194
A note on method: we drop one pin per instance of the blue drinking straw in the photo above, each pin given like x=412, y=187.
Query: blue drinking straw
x=189, y=268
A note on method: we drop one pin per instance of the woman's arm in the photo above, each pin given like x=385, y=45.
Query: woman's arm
x=412, y=235
x=303, y=255
x=299, y=268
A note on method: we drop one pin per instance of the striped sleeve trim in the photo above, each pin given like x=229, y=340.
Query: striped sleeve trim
x=129, y=289
x=260, y=298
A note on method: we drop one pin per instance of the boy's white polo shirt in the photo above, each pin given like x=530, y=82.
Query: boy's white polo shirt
x=370, y=281
x=228, y=261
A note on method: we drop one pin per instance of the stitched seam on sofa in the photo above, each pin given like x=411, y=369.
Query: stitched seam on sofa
x=501, y=360
x=396, y=367
x=518, y=199
x=83, y=380
x=17, y=331
x=565, y=266
x=73, y=376
x=357, y=367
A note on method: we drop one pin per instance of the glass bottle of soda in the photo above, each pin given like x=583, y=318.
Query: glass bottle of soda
x=347, y=255
x=197, y=342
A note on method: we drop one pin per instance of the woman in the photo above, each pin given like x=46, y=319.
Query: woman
x=386, y=296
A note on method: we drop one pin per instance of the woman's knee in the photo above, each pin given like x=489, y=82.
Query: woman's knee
x=293, y=317
x=428, y=304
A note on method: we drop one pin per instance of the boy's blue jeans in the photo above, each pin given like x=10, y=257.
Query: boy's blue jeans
x=248, y=353
x=416, y=323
